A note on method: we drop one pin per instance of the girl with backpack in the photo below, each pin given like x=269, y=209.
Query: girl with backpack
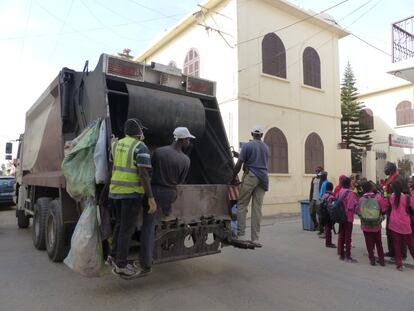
x=327, y=198
x=371, y=208
x=350, y=202
x=399, y=223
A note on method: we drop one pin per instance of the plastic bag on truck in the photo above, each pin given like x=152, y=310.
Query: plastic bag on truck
x=86, y=255
x=78, y=166
x=100, y=156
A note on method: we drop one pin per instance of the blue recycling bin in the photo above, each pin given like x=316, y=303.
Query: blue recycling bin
x=307, y=223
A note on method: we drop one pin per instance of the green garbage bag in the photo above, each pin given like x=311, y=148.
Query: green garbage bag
x=78, y=165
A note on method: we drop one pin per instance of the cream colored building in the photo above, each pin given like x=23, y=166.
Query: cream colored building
x=393, y=113
x=276, y=66
x=391, y=108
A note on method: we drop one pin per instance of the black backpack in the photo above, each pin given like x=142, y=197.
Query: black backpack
x=323, y=211
x=408, y=209
x=336, y=210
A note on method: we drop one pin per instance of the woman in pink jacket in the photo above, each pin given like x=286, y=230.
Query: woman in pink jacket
x=372, y=234
x=400, y=224
x=350, y=201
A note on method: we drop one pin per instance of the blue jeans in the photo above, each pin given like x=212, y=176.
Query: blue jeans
x=147, y=237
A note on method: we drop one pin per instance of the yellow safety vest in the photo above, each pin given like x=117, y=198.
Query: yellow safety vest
x=125, y=178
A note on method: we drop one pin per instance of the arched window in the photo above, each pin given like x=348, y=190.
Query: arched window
x=405, y=113
x=192, y=63
x=278, y=151
x=273, y=56
x=311, y=68
x=366, y=119
x=313, y=153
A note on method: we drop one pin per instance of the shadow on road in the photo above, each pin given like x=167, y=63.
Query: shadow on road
x=6, y=208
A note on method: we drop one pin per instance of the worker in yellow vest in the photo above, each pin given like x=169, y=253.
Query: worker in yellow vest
x=130, y=181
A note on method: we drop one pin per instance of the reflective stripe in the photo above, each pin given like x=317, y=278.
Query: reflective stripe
x=126, y=183
x=143, y=155
x=131, y=153
x=114, y=145
x=125, y=169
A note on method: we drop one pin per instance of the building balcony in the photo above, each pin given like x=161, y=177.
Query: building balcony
x=403, y=49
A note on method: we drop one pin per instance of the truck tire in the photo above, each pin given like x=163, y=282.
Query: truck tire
x=55, y=232
x=39, y=223
x=23, y=221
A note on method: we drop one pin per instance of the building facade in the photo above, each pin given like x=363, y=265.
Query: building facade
x=390, y=110
x=276, y=66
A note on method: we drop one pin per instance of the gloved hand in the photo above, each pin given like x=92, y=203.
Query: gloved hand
x=152, y=206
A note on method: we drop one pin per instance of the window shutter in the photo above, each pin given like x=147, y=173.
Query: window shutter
x=314, y=153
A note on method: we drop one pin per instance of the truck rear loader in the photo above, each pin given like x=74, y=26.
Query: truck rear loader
x=117, y=89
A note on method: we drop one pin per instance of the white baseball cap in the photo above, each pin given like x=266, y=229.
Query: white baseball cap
x=257, y=130
x=182, y=132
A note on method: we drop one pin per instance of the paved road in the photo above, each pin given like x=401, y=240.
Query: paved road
x=293, y=271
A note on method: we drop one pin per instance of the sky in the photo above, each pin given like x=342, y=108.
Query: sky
x=40, y=37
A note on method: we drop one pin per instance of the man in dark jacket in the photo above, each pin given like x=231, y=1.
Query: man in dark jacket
x=314, y=192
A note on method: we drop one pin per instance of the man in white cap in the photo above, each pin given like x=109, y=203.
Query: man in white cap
x=255, y=183
x=170, y=167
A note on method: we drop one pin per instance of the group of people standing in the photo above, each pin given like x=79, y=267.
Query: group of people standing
x=143, y=184
x=394, y=201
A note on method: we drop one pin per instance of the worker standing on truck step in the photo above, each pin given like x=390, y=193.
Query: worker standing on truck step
x=170, y=167
x=255, y=183
x=130, y=181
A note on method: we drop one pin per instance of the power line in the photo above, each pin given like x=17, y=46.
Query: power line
x=74, y=29
x=103, y=24
x=26, y=27
x=61, y=30
x=150, y=9
x=295, y=23
x=371, y=45
x=364, y=13
x=87, y=30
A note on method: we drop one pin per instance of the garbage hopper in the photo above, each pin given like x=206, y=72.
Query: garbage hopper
x=307, y=223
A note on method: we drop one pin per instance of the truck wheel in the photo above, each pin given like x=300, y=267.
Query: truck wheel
x=55, y=232
x=23, y=221
x=39, y=223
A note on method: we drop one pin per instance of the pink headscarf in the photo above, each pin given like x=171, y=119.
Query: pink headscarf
x=339, y=186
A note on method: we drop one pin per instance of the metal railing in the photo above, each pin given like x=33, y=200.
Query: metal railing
x=403, y=39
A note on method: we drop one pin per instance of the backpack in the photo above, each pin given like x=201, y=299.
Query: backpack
x=370, y=212
x=323, y=211
x=336, y=210
x=408, y=209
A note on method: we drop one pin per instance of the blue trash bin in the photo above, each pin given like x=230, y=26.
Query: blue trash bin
x=307, y=223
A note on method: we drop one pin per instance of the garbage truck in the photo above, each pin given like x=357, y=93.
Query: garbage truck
x=162, y=98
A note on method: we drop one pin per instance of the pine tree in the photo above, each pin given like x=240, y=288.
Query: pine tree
x=355, y=136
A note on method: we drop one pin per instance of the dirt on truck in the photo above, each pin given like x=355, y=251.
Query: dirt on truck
x=116, y=90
